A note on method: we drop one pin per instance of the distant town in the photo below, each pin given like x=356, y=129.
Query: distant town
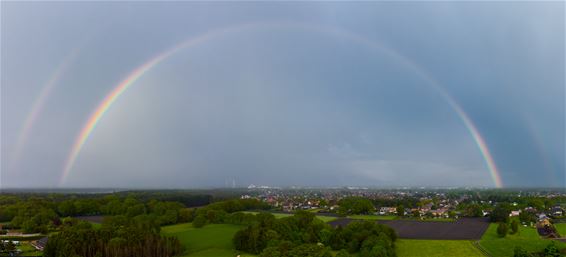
x=479, y=222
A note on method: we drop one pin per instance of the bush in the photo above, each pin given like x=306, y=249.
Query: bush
x=343, y=253
x=199, y=221
x=551, y=250
x=502, y=229
x=514, y=227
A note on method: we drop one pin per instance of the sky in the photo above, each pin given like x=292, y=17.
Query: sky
x=377, y=94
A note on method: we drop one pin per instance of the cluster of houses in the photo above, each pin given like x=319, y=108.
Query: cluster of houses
x=442, y=212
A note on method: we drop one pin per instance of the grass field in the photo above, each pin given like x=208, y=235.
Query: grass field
x=214, y=240
x=277, y=215
x=283, y=215
x=372, y=217
x=561, y=227
x=96, y=225
x=436, y=248
x=527, y=238
x=29, y=250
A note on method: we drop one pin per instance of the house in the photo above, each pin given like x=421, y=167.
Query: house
x=556, y=211
x=514, y=213
x=439, y=212
x=387, y=210
x=542, y=216
x=40, y=244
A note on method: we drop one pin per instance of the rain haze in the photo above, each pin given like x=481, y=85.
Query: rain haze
x=195, y=94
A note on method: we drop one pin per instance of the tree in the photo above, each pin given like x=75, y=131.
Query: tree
x=502, y=229
x=416, y=214
x=400, y=210
x=185, y=215
x=355, y=205
x=343, y=253
x=474, y=210
x=514, y=227
x=309, y=250
x=199, y=221
x=527, y=217
x=500, y=213
x=67, y=208
x=270, y=252
x=551, y=250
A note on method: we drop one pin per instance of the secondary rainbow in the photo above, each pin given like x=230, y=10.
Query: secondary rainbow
x=103, y=107
x=39, y=104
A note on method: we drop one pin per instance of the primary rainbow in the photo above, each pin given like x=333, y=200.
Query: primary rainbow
x=141, y=70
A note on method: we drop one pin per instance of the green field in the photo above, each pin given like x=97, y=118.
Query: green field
x=210, y=240
x=95, y=225
x=527, y=238
x=283, y=215
x=561, y=227
x=436, y=248
x=277, y=215
x=372, y=217
x=29, y=250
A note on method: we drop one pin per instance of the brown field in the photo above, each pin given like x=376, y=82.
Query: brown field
x=462, y=229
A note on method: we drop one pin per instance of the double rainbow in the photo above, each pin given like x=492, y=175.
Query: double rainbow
x=105, y=105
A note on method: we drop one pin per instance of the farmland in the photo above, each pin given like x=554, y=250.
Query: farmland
x=216, y=240
x=372, y=217
x=527, y=238
x=463, y=229
x=393, y=217
x=211, y=240
x=283, y=215
x=436, y=248
x=561, y=227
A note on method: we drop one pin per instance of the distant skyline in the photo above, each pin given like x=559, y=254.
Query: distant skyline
x=194, y=94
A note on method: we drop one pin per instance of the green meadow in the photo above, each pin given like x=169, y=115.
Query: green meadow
x=436, y=248
x=283, y=215
x=527, y=238
x=561, y=227
x=213, y=240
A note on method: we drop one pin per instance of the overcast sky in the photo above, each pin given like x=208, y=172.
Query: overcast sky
x=312, y=94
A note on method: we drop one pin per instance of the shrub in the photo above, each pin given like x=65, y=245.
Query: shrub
x=199, y=221
x=514, y=227
x=502, y=229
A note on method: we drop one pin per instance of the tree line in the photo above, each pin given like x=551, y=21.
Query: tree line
x=304, y=235
x=41, y=214
x=119, y=236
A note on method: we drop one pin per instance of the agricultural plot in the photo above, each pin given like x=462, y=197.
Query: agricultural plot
x=28, y=250
x=283, y=215
x=463, y=229
x=372, y=217
x=276, y=214
x=210, y=240
x=436, y=248
x=527, y=238
x=561, y=228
